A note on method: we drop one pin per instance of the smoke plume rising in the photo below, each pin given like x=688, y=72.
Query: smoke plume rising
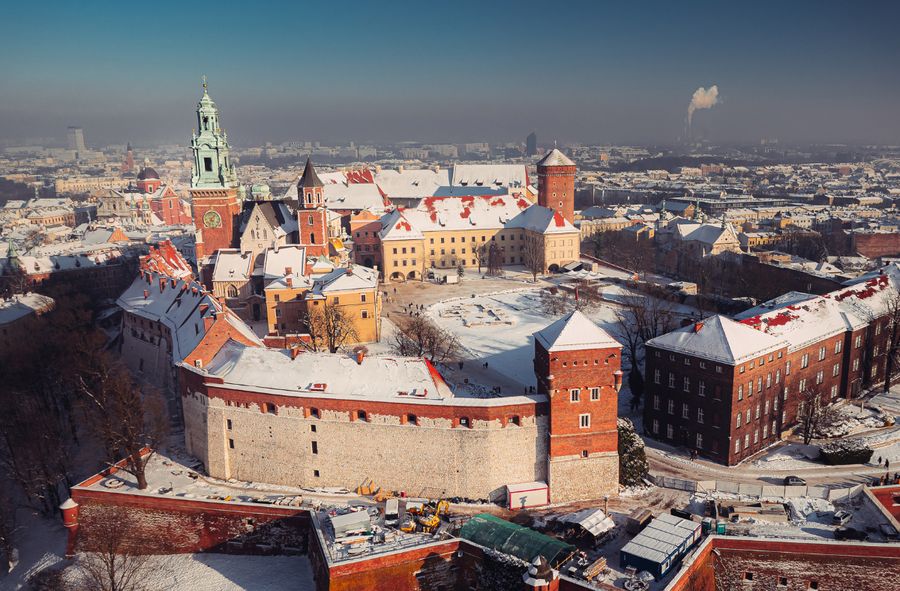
x=704, y=98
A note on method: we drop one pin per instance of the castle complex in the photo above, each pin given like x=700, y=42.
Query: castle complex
x=313, y=419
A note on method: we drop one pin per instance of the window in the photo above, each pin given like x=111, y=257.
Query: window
x=718, y=369
x=228, y=424
x=365, y=313
x=314, y=413
x=765, y=431
x=595, y=393
x=231, y=444
x=742, y=369
x=702, y=365
x=737, y=445
x=685, y=410
x=740, y=392
x=737, y=421
x=700, y=415
x=574, y=395
x=671, y=380
x=315, y=447
x=464, y=421
x=834, y=391
x=316, y=473
x=836, y=369
x=837, y=346
x=671, y=408
x=769, y=380
x=856, y=364
x=746, y=441
x=271, y=408
x=804, y=361
x=655, y=427
x=361, y=415
x=687, y=360
x=858, y=343
x=411, y=419
x=584, y=420
x=312, y=428
x=655, y=376
x=687, y=384
x=207, y=164
x=515, y=420
x=231, y=291
x=821, y=353
x=820, y=376
x=777, y=376
x=759, y=384
x=670, y=432
x=802, y=385
x=877, y=329
x=787, y=368
x=656, y=402
x=757, y=411
x=701, y=388
x=699, y=444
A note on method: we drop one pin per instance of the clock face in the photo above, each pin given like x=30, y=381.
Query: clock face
x=212, y=219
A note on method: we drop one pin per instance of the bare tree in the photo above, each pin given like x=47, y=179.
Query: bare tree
x=116, y=559
x=892, y=344
x=554, y=301
x=639, y=319
x=494, y=260
x=587, y=294
x=533, y=256
x=418, y=336
x=480, y=252
x=814, y=411
x=330, y=327
x=122, y=416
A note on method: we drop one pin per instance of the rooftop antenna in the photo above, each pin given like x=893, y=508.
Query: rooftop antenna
x=204, y=83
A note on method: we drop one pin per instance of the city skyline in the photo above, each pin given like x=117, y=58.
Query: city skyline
x=494, y=73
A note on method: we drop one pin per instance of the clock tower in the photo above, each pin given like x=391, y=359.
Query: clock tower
x=214, y=184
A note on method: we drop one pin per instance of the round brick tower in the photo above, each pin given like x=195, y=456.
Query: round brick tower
x=556, y=184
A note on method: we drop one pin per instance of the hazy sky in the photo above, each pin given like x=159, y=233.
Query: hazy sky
x=589, y=71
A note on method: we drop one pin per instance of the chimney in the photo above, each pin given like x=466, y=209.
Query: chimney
x=698, y=326
x=360, y=355
x=146, y=293
x=162, y=284
x=288, y=270
x=290, y=281
x=295, y=350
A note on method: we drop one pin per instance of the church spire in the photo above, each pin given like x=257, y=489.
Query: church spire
x=212, y=163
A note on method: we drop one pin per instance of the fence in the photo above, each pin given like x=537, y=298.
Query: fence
x=755, y=490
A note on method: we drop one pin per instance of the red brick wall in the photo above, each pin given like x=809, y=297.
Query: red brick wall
x=561, y=371
x=313, y=236
x=225, y=203
x=875, y=245
x=175, y=525
x=835, y=567
x=561, y=181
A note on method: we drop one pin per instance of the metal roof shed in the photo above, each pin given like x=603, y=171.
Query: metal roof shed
x=527, y=494
x=506, y=537
x=356, y=521
x=660, y=546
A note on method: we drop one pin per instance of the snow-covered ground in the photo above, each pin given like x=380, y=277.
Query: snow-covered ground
x=497, y=328
x=226, y=572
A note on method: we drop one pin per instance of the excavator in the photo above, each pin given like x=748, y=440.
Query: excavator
x=428, y=522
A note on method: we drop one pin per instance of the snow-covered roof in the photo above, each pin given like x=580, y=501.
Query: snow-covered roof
x=573, y=332
x=489, y=175
x=21, y=305
x=555, y=158
x=353, y=278
x=174, y=303
x=472, y=213
x=233, y=265
x=356, y=196
x=276, y=261
x=718, y=338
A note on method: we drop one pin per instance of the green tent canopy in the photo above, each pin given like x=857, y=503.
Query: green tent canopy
x=506, y=537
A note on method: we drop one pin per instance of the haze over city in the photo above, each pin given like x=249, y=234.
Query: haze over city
x=466, y=71
x=460, y=296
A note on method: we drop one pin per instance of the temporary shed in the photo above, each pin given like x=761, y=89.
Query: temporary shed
x=594, y=522
x=355, y=521
x=661, y=545
x=527, y=494
x=523, y=543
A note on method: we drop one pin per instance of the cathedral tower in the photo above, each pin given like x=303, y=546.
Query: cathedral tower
x=556, y=184
x=312, y=217
x=214, y=184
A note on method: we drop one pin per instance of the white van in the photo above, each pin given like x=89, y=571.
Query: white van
x=392, y=512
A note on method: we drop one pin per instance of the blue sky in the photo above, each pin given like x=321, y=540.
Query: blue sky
x=452, y=71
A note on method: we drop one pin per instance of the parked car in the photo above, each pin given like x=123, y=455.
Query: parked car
x=841, y=517
x=794, y=481
x=850, y=533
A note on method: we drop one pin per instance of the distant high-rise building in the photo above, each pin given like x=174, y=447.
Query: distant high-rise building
x=531, y=144
x=76, y=139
